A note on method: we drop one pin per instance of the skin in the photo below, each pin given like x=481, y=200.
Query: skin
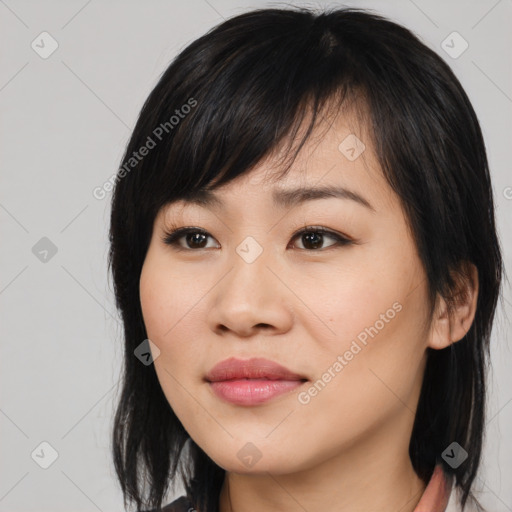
x=301, y=307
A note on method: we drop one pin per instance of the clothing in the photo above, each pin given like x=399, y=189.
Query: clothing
x=182, y=504
x=437, y=493
x=438, y=497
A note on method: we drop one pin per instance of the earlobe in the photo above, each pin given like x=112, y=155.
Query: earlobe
x=451, y=326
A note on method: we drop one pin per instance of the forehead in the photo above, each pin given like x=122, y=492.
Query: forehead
x=337, y=160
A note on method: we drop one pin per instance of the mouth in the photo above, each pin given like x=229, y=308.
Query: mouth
x=251, y=382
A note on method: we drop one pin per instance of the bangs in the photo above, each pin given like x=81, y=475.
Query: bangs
x=256, y=96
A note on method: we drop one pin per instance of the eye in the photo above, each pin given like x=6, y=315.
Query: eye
x=312, y=238
x=195, y=238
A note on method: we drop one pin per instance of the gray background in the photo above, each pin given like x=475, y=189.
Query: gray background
x=64, y=123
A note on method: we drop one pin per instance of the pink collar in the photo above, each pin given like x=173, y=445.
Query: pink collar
x=437, y=493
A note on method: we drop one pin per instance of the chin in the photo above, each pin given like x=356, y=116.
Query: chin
x=245, y=457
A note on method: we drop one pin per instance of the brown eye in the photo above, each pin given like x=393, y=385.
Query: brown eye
x=313, y=238
x=195, y=238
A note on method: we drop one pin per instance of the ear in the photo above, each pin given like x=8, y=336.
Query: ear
x=449, y=328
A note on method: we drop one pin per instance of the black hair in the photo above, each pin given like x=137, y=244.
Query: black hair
x=234, y=96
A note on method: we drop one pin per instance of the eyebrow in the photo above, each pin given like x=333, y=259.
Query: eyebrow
x=285, y=198
x=292, y=197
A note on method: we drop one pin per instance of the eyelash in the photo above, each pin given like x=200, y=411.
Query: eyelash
x=173, y=237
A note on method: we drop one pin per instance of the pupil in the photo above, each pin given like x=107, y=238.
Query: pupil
x=314, y=238
x=193, y=237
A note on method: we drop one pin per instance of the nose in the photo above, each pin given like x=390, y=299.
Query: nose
x=251, y=298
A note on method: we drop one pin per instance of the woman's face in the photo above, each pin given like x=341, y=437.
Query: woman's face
x=346, y=318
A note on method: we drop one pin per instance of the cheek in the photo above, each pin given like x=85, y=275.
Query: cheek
x=167, y=302
x=172, y=310
x=167, y=298
x=353, y=300
x=369, y=312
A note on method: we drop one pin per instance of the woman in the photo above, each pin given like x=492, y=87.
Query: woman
x=305, y=258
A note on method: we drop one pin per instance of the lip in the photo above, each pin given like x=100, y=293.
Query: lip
x=251, y=381
x=254, y=368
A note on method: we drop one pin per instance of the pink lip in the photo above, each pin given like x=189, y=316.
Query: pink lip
x=252, y=381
